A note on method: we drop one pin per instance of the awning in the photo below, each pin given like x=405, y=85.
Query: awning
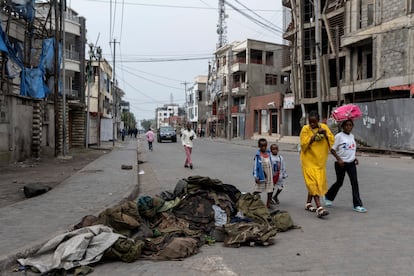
x=403, y=87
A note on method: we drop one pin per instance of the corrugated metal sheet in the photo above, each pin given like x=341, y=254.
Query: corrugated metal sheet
x=387, y=124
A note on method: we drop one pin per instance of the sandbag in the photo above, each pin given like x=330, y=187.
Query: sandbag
x=282, y=220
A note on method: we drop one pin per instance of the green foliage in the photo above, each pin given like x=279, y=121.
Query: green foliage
x=146, y=124
x=129, y=120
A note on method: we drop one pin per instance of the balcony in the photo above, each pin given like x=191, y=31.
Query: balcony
x=238, y=109
x=71, y=55
x=239, y=67
x=239, y=89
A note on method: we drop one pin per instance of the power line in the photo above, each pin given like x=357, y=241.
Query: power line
x=262, y=18
x=138, y=76
x=154, y=75
x=174, y=6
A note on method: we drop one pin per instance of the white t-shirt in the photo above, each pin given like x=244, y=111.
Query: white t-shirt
x=345, y=146
x=185, y=137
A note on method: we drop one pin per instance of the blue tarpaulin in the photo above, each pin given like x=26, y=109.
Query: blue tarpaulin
x=33, y=83
x=25, y=8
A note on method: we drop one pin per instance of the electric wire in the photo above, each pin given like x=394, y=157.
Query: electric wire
x=153, y=81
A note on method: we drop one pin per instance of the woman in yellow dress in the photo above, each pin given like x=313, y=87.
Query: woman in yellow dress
x=315, y=142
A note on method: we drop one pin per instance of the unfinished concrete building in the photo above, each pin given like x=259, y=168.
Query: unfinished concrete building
x=355, y=51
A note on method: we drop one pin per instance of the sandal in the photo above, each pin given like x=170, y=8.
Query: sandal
x=309, y=207
x=321, y=212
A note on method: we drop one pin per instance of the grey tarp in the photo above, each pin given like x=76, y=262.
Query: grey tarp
x=80, y=247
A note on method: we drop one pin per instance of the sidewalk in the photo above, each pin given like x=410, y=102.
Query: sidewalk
x=26, y=225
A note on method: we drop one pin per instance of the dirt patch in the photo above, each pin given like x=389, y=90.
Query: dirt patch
x=47, y=170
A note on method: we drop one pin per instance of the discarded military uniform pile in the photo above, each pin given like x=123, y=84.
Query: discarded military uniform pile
x=171, y=226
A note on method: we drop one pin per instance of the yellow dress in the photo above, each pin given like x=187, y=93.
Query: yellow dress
x=314, y=158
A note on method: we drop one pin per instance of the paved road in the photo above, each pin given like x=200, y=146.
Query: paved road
x=379, y=242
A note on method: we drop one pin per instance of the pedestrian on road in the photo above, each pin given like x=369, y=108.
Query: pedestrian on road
x=344, y=150
x=187, y=137
x=123, y=132
x=150, y=138
x=279, y=171
x=315, y=143
x=262, y=172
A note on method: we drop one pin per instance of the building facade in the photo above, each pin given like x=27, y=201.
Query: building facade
x=355, y=51
x=246, y=88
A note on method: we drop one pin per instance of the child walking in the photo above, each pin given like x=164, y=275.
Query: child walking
x=262, y=171
x=279, y=171
x=344, y=150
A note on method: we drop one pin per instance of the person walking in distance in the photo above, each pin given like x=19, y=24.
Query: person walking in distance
x=187, y=137
x=344, y=150
x=315, y=143
x=279, y=171
x=150, y=138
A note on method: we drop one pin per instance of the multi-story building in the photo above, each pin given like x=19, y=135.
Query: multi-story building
x=72, y=73
x=33, y=118
x=247, y=87
x=355, y=51
x=168, y=115
x=101, y=102
x=196, y=105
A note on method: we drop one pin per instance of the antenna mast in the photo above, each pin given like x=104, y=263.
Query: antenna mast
x=222, y=26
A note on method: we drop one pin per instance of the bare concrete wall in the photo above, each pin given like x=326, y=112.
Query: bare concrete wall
x=387, y=124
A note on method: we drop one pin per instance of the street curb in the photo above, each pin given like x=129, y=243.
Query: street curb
x=7, y=262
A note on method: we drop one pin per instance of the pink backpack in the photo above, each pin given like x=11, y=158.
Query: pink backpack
x=346, y=112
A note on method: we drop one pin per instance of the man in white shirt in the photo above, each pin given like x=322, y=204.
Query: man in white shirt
x=187, y=137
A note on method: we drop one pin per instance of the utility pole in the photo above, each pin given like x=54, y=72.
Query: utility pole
x=318, y=56
x=56, y=77
x=229, y=96
x=62, y=18
x=114, y=96
x=185, y=104
x=89, y=95
x=99, y=55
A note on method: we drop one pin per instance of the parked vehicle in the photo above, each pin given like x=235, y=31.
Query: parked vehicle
x=166, y=133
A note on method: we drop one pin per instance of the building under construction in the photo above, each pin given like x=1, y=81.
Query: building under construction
x=354, y=51
x=34, y=115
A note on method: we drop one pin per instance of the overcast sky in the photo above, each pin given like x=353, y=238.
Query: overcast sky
x=168, y=30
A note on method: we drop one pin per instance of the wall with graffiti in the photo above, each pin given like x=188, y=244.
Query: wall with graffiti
x=387, y=124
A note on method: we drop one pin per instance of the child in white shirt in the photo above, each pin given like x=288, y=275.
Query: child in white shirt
x=279, y=171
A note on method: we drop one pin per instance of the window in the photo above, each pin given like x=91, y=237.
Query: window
x=224, y=60
x=284, y=79
x=269, y=58
x=200, y=96
x=224, y=81
x=370, y=14
x=271, y=79
x=255, y=56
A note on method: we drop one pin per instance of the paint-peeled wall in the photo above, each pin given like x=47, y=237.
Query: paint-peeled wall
x=386, y=124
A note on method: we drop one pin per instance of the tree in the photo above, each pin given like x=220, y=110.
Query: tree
x=146, y=124
x=129, y=120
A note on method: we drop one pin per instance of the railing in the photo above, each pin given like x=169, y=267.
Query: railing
x=72, y=17
x=71, y=55
x=239, y=60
